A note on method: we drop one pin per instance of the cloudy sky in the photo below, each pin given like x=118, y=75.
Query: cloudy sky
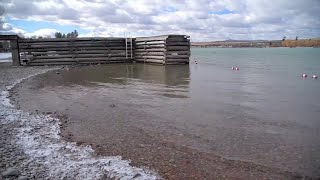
x=203, y=20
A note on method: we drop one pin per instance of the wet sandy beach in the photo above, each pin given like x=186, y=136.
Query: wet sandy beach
x=157, y=117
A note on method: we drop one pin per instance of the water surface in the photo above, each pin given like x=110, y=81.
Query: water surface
x=266, y=113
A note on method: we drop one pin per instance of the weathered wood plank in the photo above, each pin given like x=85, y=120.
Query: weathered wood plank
x=81, y=59
x=178, y=43
x=150, y=42
x=150, y=46
x=15, y=54
x=176, y=48
x=150, y=53
x=80, y=56
x=80, y=52
x=71, y=39
x=150, y=57
x=73, y=48
x=151, y=50
x=177, y=56
x=177, y=60
x=178, y=52
x=150, y=60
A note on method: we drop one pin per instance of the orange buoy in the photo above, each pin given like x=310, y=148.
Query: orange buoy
x=304, y=75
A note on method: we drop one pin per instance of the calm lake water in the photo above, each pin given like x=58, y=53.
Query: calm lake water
x=266, y=113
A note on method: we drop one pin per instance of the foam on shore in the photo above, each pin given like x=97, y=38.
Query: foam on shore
x=39, y=136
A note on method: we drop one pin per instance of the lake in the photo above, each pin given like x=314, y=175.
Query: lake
x=264, y=114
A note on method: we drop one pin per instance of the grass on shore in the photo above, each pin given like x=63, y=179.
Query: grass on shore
x=301, y=43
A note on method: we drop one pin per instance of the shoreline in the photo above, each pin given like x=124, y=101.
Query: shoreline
x=33, y=145
x=172, y=161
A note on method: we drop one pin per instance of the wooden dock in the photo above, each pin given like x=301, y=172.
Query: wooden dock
x=167, y=49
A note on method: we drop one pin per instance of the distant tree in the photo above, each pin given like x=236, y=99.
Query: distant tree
x=284, y=38
x=33, y=37
x=40, y=37
x=296, y=38
x=73, y=34
x=58, y=35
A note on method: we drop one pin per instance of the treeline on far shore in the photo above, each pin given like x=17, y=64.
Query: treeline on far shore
x=301, y=43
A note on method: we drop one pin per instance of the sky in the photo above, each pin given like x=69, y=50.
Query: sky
x=203, y=20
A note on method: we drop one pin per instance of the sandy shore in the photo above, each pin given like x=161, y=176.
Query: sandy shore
x=144, y=148
x=32, y=147
x=13, y=158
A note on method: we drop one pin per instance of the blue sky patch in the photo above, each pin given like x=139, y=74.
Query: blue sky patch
x=170, y=9
x=31, y=26
x=221, y=12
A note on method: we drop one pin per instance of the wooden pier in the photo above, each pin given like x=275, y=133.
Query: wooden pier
x=167, y=49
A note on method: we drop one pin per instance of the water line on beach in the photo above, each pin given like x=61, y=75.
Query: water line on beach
x=39, y=136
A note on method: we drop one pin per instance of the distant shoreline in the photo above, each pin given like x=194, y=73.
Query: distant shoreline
x=313, y=43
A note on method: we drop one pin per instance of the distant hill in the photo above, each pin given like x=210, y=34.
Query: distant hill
x=259, y=43
x=302, y=43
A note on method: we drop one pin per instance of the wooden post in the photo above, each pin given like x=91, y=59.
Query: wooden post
x=15, y=52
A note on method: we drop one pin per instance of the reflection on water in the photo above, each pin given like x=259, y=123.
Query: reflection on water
x=169, y=81
x=264, y=113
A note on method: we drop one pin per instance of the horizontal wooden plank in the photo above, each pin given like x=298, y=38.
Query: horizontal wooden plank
x=149, y=57
x=153, y=38
x=178, y=52
x=150, y=46
x=177, y=60
x=81, y=52
x=150, y=42
x=72, y=46
x=150, y=53
x=177, y=56
x=151, y=50
x=72, y=39
x=178, y=48
x=178, y=44
x=75, y=42
x=79, y=56
x=50, y=63
x=150, y=60
x=9, y=37
x=162, y=37
x=80, y=59
x=70, y=49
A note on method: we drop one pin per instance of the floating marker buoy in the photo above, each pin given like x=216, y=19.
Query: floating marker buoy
x=237, y=69
x=233, y=68
x=195, y=62
x=304, y=75
x=315, y=77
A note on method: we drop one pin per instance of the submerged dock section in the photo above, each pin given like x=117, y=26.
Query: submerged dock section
x=167, y=49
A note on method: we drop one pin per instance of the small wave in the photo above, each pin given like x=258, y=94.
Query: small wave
x=39, y=136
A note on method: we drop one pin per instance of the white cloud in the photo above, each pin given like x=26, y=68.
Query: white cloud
x=42, y=32
x=202, y=19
